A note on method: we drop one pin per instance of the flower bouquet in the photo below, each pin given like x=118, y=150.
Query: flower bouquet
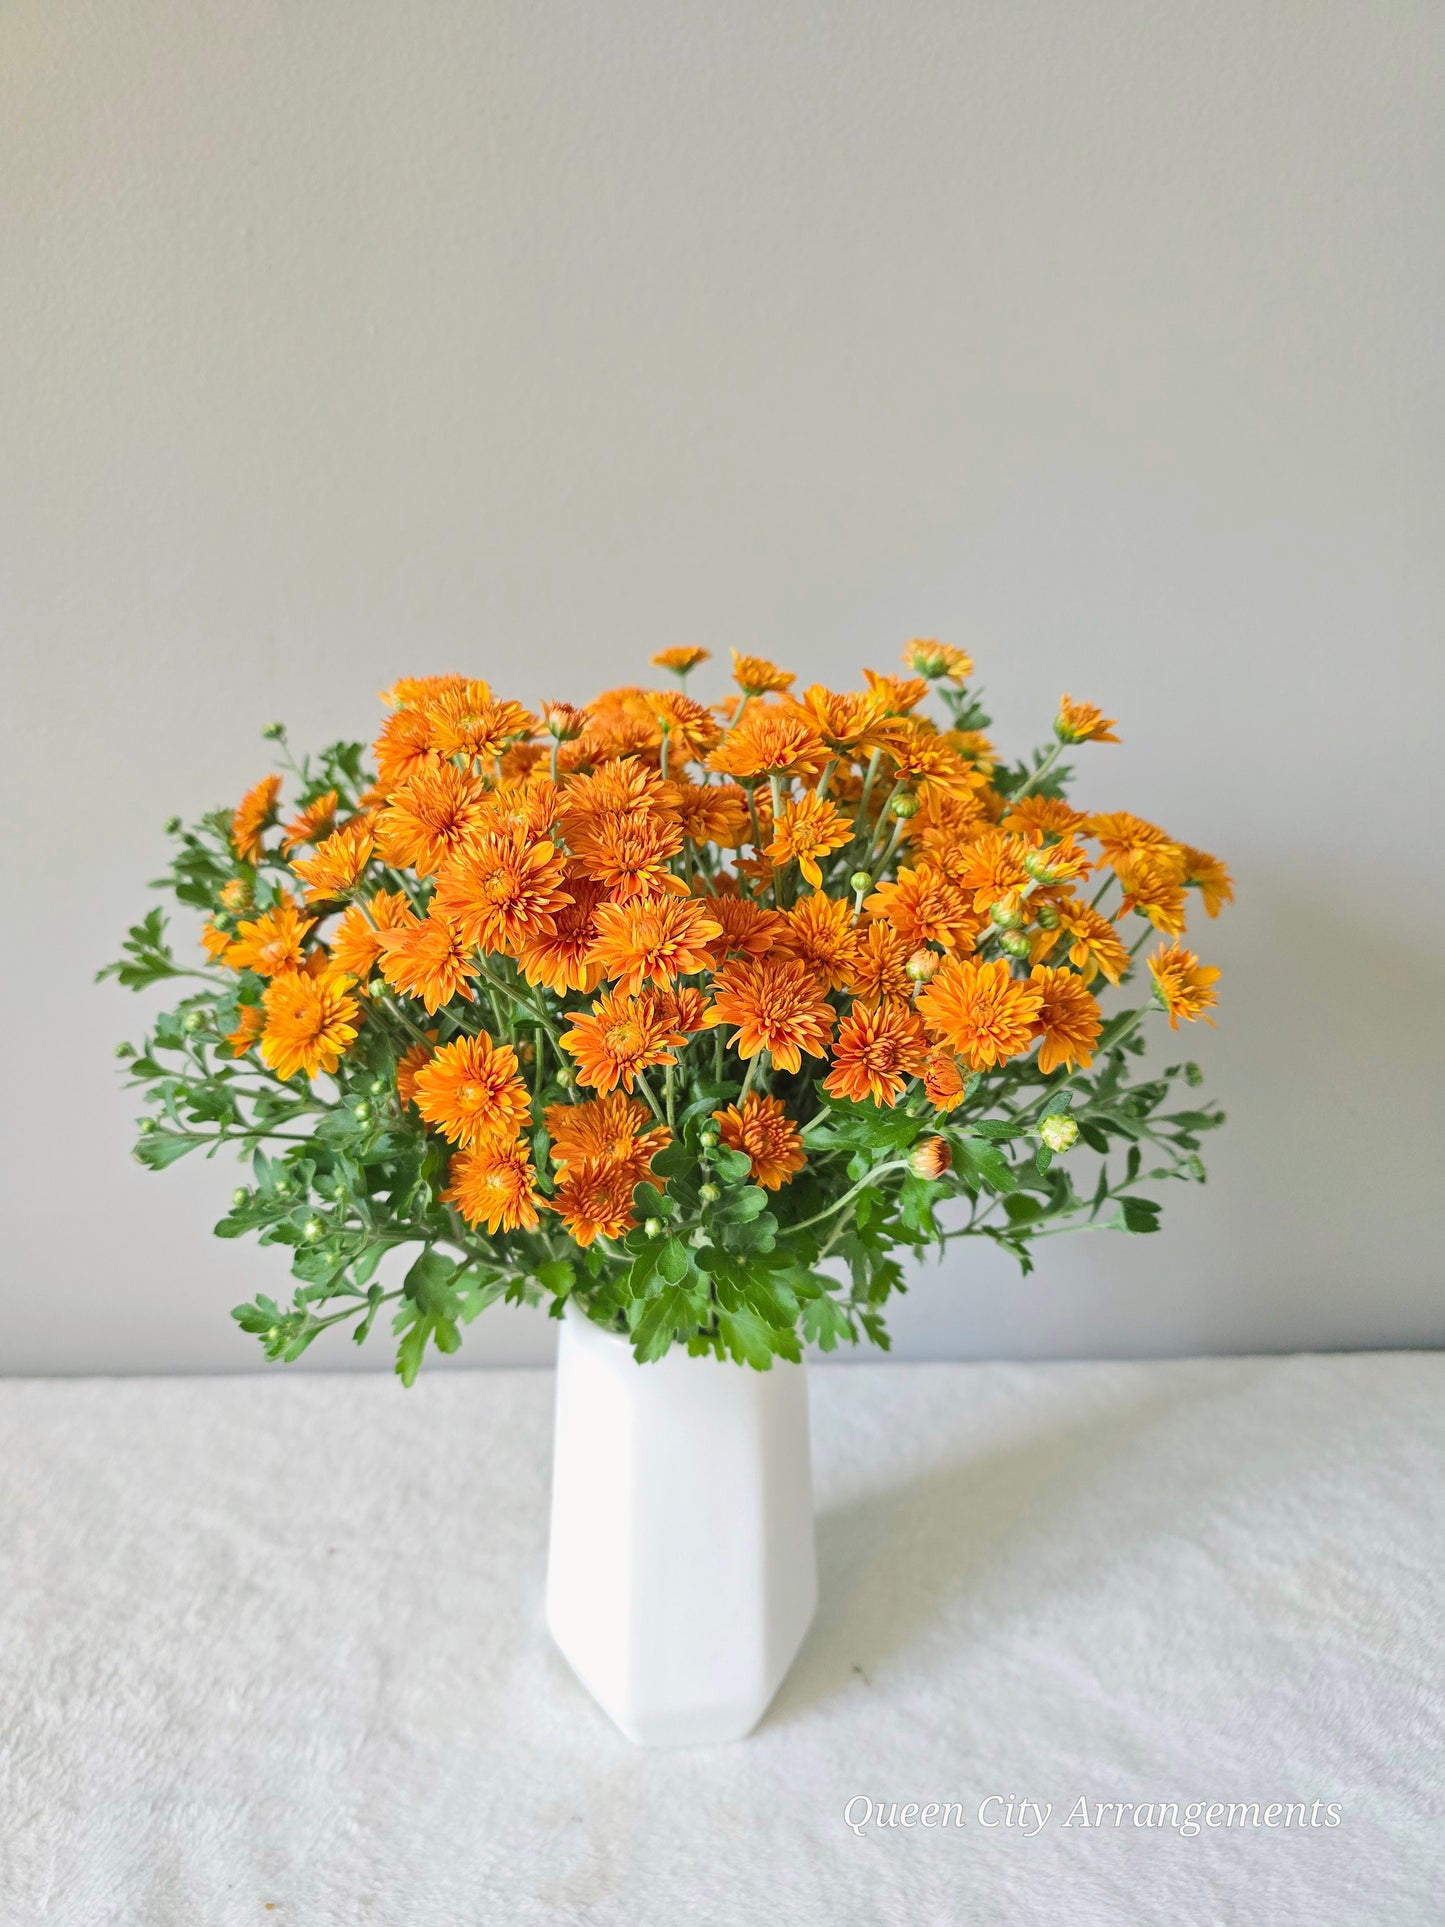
x=695, y=1017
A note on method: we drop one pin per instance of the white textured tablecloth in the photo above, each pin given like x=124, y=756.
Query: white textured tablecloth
x=272, y=1651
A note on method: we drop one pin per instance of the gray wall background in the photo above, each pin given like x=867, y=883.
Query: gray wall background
x=345, y=340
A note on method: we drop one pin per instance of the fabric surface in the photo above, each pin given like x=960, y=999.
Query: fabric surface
x=272, y=1651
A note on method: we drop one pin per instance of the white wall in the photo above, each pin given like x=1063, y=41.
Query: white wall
x=353, y=337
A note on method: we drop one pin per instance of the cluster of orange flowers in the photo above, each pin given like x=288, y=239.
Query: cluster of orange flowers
x=824, y=876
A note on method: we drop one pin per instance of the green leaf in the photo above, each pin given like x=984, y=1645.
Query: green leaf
x=748, y=1339
x=674, y=1261
x=741, y=1205
x=1137, y=1214
x=668, y=1312
x=826, y=1323
x=161, y=1148
x=558, y=1276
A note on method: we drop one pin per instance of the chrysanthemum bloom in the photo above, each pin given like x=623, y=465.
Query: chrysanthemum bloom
x=470, y=1090
x=809, y=827
x=416, y=1057
x=479, y=731
x=1153, y=885
x=492, y=1186
x=564, y=722
x=594, y=1199
x=255, y=810
x=930, y=1158
x=338, y=862
x=764, y=1131
x=850, y=723
x=616, y=1128
x=943, y=1079
x=403, y=749
x=690, y=729
x=1183, y=985
x=1069, y=1021
x=559, y=957
x=1210, y=878
x=993, y=868
x=310, y=1021
x=931, y=659
x=630, y=854
x=238, y=894
x=680, y=661
x=318, y=819
x=821, y=933
x=214, y=940
x=682, y=1006
x=619, y=1038
x=879, y=970
x=777, y=1007
x=1094, y=944
x=923, y=907
x=1062, y=862
x=356, y=940
x=983, y=1012
x=1043, y=816
x=528, y=806
x=898, y=694
x=429, y=817
x=250, y=1022
x=926, y=761
x=411, y=692
x=769, y=742
x=271, y=944
x=1122, y=834
x=501, y=892
x=1083, y=723
x=756, y=676
x=714, y=813
x=620, y=788
x=428, y=960
x=878, y=1049
x=661, y=938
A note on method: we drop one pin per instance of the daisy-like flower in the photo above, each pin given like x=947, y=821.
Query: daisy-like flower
x=478, y=730
x=898, y=694
x=1153, y=882
x=564, y=722
x=493, y=1186
x=927, y=761
x=615, y=1129
x=629, y=854
x=767, y=742
x=690, y=729
x=427, y=960
x=470, y=1090
x=1122, y=834
x=318, y=819
x=933, y=660
x=412, y=692
x=756, y=676
x=1209, y=876
x=777, y=1007
x=762, y=1129
x=501, y=892
x=878, y=1049
x=594, y=1199
x=620, y=1037
x=982, y=1011
x=338, y=862
x=1183, y=985
x=214, y=940
x=619, y=788
x=404, y=749
x=356, y=941
x=1068, y=1021
x=238, y=894
x=849, y=724
x=528, y=806
x=821, y=933
x=660, y=937
x=746, y=928
x=250, y=1022
x=416, y=1057
x=878, y=972
x=273, y=943
x=1083, y=723
x=560, y=957
x=993, y=868
x=1043, y=816
x=944, y=1080
x=923, y=907
x=429, y=817
x=310, y=1021
x=1094, y=944
x=256, y=809
x=680, y=661
x=714, y=813
x=809, y=827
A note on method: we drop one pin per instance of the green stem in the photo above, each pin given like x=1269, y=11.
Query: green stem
x=871, y=1177
x=1033, y=781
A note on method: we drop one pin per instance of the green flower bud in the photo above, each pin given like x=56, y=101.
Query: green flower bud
x=1013, y=943
x=378, y=1086
x=376, y=988
x=194, y=1020
x=1193, y=1075
x=125, y=1050
x=922, y=966
x=240, y=1196
x=172, y=826
x=273, y=732
x=362, y=1111
x=283, y=1187
x=1047, y=916
x=707, y=1138
x=1006, y=915
x=565, y=1079
x=709, y=1193
x=859, y=882
x=903, y=807
x=312, y=1230
x=1037, y=863
x=146, y=1126
x=1059, y=1131
x=273, y=1332
x=341, y=1189
x=653, y=1228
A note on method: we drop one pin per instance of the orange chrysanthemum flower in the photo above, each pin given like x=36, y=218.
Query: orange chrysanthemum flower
x=769, y=1137
x=563, y=721
x=1183, y=985
x=982, y=1011
x=310, y=1021
x=1153, y=882
x=318, y=819
x=923, y=907
x=714, y=813
x=427, y=960
x=250, y=1022
x=680, y=661
x=927, y=762
x=470, y=1091
x=429, y=817
x=932, y=660
x=256, y=809
x=1044, y=816
x=273, y=943
x=404, y=749
x=767, y=742
x=809, y=827
x=879, y=970
x=898, y=694
x=1122, y=834
x=616, y=788
x=661, y=938
x=850, y=724
x=411, y=692
x=1209, y=876
x=615, y=1129
x=214, y=940
x=944, y=1082
x=1068, y=1020
x=493, y=1186
x=622, y=1036
x=471, y=725
x=594, y=1199
x=1094, y=944
x=879, y=1048
x=338, y=862
x=992, y=868
x=630, y=855
x=756, y=676
x=777, y=1007
x=1083, y=723
x=821, y=933
x=416, y=1057
x=746, y=927
x=356, y=941
x=690, y=729
x=560, y=957
x=502, y=892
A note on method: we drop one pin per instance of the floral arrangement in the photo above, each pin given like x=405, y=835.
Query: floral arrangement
x=697, y=1015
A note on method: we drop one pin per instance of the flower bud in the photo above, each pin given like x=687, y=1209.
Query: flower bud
x=1193, y=1076
x=1006, y=914
x=273, y=732
x=1047, y=916
x=563, y=721
x=1013, y=943
x=378, y=1087
x=565, y=1079
x=1040, y=866
x=362, y=1111
x=930, y=1159
x=859, y=882
x=709, y=1193
x=240, y=1196
x=922, y=966
x=707, y=1138
x=146, y=1126
x=653, y=1228
x=125, y=1050
x=312, y=1230
x=903, y=806
x=172, y=826
x=193, y=1021
x=1059, y=1131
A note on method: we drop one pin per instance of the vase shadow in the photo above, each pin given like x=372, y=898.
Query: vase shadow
x=890, y=1560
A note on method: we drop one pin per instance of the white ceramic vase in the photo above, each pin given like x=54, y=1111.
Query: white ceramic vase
x=682, y=1573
